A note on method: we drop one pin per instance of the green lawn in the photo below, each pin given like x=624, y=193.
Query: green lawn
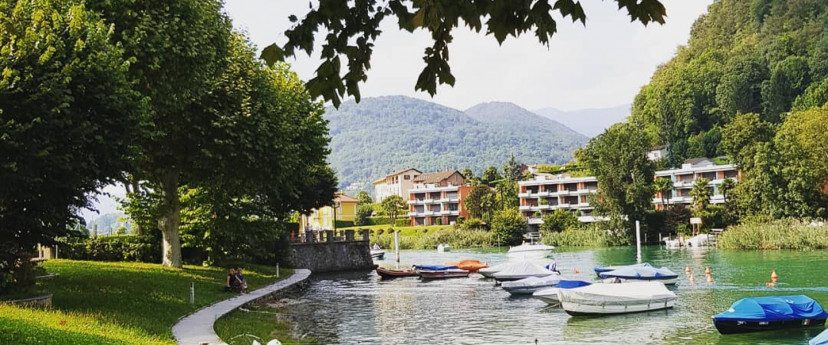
x=261, y=323
x=118, y=303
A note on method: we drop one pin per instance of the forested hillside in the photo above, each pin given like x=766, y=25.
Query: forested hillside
x=379, y=135
x=760, y=56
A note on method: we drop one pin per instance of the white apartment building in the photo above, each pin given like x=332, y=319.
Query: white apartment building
x=395, y=183
x=685, y=177
x=546, y=193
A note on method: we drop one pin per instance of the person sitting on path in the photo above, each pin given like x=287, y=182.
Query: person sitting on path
x=240, y=278
x=233, y=284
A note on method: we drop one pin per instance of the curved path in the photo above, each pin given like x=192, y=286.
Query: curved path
x=197, y=328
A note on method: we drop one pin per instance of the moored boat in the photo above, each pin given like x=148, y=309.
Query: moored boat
x=607, y=299
x=528, y=286
x=440, y=272
x=599, y=270
x=388, y=273
x=821, y=339
x=550, y=295
x=663, y=274
x=755, y=314
x=443, y=248
x=521, y=270
x=377, y=254
x=469, y=265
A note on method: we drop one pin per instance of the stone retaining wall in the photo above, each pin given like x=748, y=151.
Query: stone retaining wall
x=331, y=256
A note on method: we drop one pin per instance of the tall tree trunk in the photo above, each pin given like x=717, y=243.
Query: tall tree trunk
x=168, y=220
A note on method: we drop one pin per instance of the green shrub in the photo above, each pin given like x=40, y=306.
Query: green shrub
x=363, y=215
x=113, y=248
x=344, y=224
x=455, y=237
x=777, y=234
x=473, y=224
x=558, y=221
x=509, y=226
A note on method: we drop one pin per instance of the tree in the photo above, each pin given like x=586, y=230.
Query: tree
x=363, y=214
x=788, y=80
x=393, y=206
x=509, y=226
x=618, y=158
x=741, y=136
x=511, y=170
x=364, y=198
x=701, y=196
x=490, y=176
x=69, y=120
x=664, y=186
x=802, y=143
x=475, y=203
x=468, y=174
x=507, y=192
x=727, y=187
x=558, y=221
x=352, y=28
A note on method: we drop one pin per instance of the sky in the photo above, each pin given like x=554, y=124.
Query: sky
x=602, y=64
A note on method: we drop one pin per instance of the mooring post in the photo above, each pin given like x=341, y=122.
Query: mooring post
x=192, y=293
x=277, y=270
x=638, y=240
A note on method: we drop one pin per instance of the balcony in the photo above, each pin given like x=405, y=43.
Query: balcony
x=523, y=195
x=563, y=192
x=544, y=207
x=543, y=194
x=587, y=191
x=428, y=201
x=412, y=214
x=534, y=221
x=525, y=207
x=582, y=205
x=564, y=205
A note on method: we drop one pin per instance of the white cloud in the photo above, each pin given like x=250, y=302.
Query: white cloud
x=600, y=65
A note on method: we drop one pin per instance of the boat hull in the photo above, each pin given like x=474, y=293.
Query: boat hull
x=507, y=278
x=668, y=281
x=378, y=255
x=576, y=309
x=735, y=326
x=442, y=274
x=387, y=273
x=527, y=290
x=550, y=298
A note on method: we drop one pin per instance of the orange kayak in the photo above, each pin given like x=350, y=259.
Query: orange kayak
x=469, y=265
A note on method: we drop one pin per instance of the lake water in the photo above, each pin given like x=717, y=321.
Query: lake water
x=359, y=308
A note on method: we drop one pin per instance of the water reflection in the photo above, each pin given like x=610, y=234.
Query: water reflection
x=354, y=308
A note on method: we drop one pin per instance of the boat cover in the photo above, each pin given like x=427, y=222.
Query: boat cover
x=821, y=339
x=773, y=308
x=530, y=247
x=612, y=268
x=617, y=294
x=505, y=265
x=640, y=273
x=522, y=269
x=434, y=267
x=531, y=282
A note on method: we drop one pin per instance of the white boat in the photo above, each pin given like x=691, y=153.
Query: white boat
x=443, y=248
x=488, y=272
x=699, y=241
x=521, y=270
x=530, y=247
x=639, y=273
x=550, y=295
x=377, y=254
x=605, y=299
x=528, y=286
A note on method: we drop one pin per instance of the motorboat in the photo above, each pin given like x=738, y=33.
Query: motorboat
x=489, y=272
x=377, y=254
x=599, y=270
x=388, y=273
x=550, y=295
x=821, y=339
x=521, y=270
x=443, y=248
x=663, y=274
x=527, y=248
x=607, y=299
x=756, y=314
x=440, y=272
x=469, y=265
x=528, y=286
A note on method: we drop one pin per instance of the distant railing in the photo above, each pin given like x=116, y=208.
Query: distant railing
x=330, y=236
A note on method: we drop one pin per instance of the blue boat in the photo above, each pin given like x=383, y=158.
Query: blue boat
x=663, y=274
x=769, y=313
x=599, y=270
x=434, y=267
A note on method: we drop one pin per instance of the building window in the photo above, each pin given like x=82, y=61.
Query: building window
x=407, y=177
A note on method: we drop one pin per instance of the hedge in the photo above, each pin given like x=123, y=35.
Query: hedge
x=112, y=248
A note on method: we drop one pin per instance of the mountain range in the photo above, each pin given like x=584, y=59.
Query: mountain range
x=379, y=135
x=589, y=122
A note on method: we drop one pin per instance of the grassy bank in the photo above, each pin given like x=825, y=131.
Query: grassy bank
x=588, y=237
x=778, y=234
x=118, y=303
x=456, y=238
x=260, y=322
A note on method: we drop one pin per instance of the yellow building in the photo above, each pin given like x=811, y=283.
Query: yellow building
x=344, y=209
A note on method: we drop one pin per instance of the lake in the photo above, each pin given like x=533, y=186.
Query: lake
x=360, y=308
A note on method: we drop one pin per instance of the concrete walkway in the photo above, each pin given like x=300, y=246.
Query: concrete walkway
x=197, y=328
